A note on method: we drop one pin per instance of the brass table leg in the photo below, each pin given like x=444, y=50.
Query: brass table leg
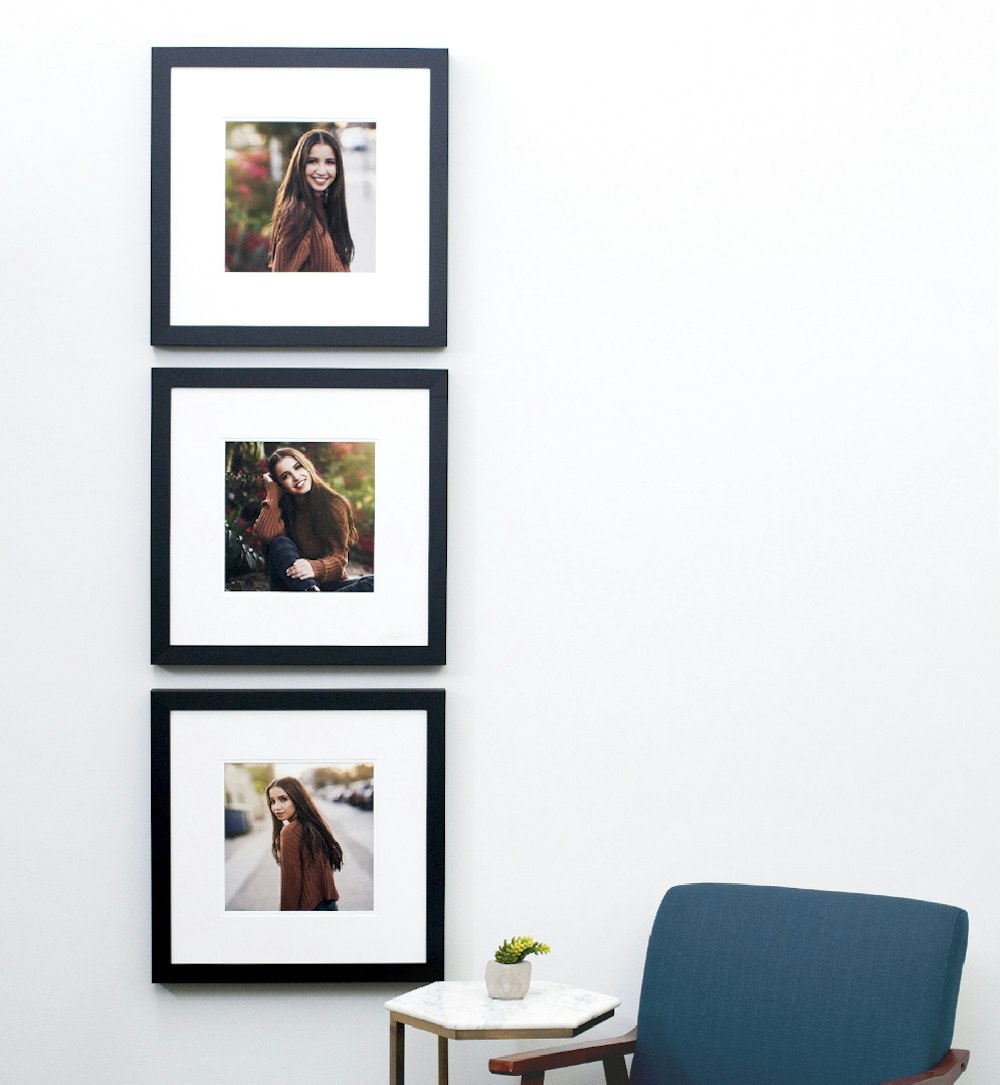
x=442, y=1060
x=397, y=1043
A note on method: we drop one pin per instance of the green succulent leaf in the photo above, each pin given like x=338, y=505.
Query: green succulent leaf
x=514, y=950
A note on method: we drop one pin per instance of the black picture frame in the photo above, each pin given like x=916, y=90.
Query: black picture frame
x=195, y=89
x=195, y=940
x=196, y=620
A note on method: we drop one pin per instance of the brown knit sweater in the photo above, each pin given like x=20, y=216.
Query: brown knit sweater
x=315, y=252
x=303, y=884
x=327, y=566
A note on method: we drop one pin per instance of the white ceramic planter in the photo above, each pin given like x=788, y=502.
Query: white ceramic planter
x=508, y=980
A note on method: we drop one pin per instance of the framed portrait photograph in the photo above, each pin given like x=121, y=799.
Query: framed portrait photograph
x=331, y=488
x=328, y=163
x=297, y=835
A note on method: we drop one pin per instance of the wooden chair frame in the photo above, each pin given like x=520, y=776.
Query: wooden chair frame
x=531, y=1066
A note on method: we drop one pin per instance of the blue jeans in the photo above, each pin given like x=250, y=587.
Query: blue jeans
x=282, y=553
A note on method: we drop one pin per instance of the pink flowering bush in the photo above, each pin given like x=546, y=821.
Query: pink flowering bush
x=250, y=196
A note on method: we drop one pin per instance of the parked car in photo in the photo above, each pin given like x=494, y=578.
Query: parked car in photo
x=362, y=795
x=238, y=821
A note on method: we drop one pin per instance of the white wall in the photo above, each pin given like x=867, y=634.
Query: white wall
x=724, y=499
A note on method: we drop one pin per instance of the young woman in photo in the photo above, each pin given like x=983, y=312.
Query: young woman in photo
x=309, y=227
x=304, y=847
x=307, y=528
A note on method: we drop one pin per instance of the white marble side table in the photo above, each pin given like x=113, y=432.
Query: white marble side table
x=464, y=1011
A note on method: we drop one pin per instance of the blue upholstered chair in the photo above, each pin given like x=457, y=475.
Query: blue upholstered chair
x=758, y=985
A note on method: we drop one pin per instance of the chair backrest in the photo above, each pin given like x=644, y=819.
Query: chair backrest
x=759, y=985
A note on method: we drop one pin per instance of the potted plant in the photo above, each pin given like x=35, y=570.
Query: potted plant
x=508, y=975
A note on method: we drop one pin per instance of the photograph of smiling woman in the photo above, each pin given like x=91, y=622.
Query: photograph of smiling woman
x=309, y=227
x=307, y=527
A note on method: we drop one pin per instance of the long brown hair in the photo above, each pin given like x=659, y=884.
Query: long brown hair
x=317, y=836
x=315, y=508
x=295, y=205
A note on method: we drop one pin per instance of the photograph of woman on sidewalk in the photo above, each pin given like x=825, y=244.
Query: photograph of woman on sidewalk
x=282, y=853
x=304, y=847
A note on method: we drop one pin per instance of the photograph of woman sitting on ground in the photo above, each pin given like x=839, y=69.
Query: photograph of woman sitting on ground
x=300, y=516
x=289, y=185
x=299, y=837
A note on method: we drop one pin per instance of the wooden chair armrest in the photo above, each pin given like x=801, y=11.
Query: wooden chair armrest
x=948, y=1070
x=554, y=1058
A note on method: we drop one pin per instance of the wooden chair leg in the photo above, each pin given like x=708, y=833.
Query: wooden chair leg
x=614, y=1071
